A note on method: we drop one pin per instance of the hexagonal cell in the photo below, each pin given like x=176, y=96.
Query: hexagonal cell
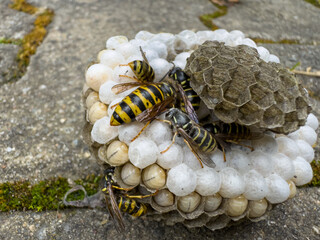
x=273, y=117
x=250, y=113
x=226, y=112
x=223, y=62
x=199, y=64
x=302, y=108
x=242, y=76
x=261, y=96
x=238, y=95
x=246, y=55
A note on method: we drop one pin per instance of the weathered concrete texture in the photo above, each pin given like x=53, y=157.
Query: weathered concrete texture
x=14, y=24
x=8, y=63
x=41, y=115
x=41, y=119
x=274, y=20
x=296, y=219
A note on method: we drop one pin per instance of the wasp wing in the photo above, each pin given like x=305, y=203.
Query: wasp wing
x=114, y=211
x=195, y=149
x=143, y=55
x=151, y=113
x=188, y=105
x=122, y=87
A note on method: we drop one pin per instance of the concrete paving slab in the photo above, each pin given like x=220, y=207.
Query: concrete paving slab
x=41, y=121
x=295, y=219
x=41, y=114
x=274, y=20
x=14, y=24
x=8, y=63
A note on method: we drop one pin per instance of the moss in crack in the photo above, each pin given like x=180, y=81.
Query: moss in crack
x=315, y=182
x=34, y=38
x=45, y=195
x=207, y=19
x=10, y=41
x=23, y=6
x=282, y=41
x=315, y=3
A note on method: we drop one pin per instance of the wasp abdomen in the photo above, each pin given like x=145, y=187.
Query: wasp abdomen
x=143, y=71
x=203, y=138
x=144, y=97
x=132, y=207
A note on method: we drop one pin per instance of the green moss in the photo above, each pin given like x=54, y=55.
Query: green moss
x=268, y=41
x=295, y=66
x=10, y=41
x=315, y=182
x=316, y=3
x=45, y=195
x=34, y=38
x=23, y=6
x=207, y=19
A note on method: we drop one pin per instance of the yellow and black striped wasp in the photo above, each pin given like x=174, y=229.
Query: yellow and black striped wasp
x=233, y=132
x=151, y=99
x=121, y=202
x=177, y=74
x=141, y=69
x=199, y=140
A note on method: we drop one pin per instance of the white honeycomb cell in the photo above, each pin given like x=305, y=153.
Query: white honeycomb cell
x=241, y=177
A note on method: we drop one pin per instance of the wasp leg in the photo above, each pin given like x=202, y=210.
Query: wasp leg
x=193, y=152
x=173, y=140
x=163, y=120
x=120, y=188
x=145, y=126
x=114, y=105
x=224, y=154
x=133, y=78
x=142, y=196
x=241, y=144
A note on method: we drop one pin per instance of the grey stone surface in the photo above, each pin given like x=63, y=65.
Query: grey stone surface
x=41, y=116
x=8, y=63
x=274, y=20
x=295, y=219
x=14, y=24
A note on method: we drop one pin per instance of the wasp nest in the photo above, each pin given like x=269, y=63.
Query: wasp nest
x=238, y=86
x=241, y=87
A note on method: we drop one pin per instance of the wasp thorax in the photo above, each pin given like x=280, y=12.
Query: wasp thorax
x=130, y=174
x=236, y=206
x=212, y=202
x=189, y=203
x=164, y=198
x=154, y=177
x=257, y=208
